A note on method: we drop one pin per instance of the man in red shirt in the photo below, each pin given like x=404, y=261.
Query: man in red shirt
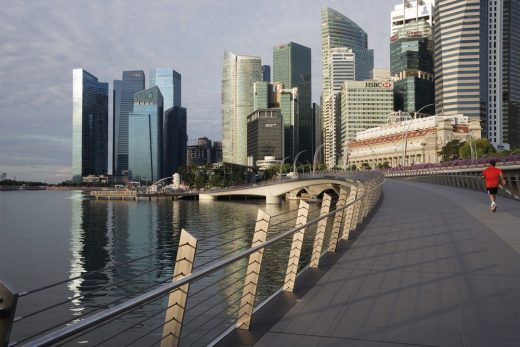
x=493, y=177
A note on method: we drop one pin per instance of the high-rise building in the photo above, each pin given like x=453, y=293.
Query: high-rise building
x=317, y=133
x=461, y=58
x=265, y=134
x=198, y=152
x=337, y=30
x=145, y=136
x=503, y=112
x=175, y=140
x=292, y=68
x=362, y=105
x=411, y=56
x=381, y=73
x=266, y=73
x=274, y=96
x=239, y=73
x=169, y=83
x=124, y=90
x=89, y=125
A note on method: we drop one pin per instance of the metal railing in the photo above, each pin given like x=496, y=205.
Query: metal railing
x=465, y=180
x=206, y=300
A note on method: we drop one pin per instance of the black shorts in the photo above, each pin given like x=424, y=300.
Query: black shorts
x=492, y=191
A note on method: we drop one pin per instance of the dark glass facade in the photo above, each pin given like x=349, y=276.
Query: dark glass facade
x=264, y=135
x=411, y=63
x=511, y=72
x=124, y=90
x=266, y=73
x=175, y=140
x=292, y=67
x=89, y=125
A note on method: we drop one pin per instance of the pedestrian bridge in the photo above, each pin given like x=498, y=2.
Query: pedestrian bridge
x=379, y=263
x=312, y=186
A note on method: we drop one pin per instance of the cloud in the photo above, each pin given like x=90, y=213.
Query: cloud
x=41, y=42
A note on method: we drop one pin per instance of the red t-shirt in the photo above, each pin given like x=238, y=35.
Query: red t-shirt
x=492, y=176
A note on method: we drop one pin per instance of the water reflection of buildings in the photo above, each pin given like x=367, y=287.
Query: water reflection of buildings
x=107, y=233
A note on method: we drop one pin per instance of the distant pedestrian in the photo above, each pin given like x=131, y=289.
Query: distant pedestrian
x=493, y=177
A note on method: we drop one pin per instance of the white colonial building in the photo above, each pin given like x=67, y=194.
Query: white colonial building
x=417, y=140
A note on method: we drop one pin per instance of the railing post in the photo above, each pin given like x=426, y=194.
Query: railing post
x=349, y=212
x=338, y=218
x=320, y=232
x=253, y=272
x=178, y=297
x=357, y=206
x=8, y=300
x=366, y=200
x=296, y=248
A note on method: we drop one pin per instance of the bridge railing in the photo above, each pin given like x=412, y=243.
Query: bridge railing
x=212, y=291
x=465, y=180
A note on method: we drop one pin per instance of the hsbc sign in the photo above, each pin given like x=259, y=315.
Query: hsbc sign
x=379, y=84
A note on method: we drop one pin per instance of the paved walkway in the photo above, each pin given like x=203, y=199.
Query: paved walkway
x=433, y=267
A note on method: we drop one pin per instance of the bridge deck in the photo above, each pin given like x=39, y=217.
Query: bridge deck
x=433, y=267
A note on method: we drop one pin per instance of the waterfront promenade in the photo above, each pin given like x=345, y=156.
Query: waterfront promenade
x=431, y=267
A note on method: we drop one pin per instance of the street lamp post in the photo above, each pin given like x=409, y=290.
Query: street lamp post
x=296, y=160
x=314, y=162
x=281, y=166
x=405, y=138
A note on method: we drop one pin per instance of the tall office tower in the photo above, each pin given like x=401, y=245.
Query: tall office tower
x=503, y=118
x=411, y=56
x=461, y=57
x=274, y=96
x=239, y=73
x=198, y=152
x=362, y=105
x=89, y=125
x=145, y=136
x=341, y=68
x=216, y=152
x=339, y=31
x=317, y=134
x=292, y=68
x=381, y=73
x=124, y=90
x=264, y=135
x=266, y=73
x=169, y=82
x=175, y=140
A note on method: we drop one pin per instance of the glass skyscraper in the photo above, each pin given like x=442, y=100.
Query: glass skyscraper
x=503, y=112
x=124, y=90
x=175, y=140
x=411, y=56
x=337, y=30
x=239, y=73
x=292, y=68
x=89, y=125
x=169, y=83
x=461, y=58
x=145, y=136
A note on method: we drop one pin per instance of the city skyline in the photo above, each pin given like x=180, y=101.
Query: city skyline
x=37, y=141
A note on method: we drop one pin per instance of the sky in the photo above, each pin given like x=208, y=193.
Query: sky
x=42, y=41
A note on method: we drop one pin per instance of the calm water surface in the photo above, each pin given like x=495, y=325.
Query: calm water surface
x=50, y=236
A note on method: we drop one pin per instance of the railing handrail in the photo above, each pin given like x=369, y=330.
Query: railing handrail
x=90, y=321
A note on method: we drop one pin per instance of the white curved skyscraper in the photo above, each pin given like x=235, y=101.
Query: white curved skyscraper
x=239, y=73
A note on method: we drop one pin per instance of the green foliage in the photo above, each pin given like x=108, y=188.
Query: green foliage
x=365, y=166
x=483, y=149
x=384, y=165
x=450, y=151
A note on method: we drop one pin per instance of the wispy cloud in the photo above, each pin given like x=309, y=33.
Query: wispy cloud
x=42, y=41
